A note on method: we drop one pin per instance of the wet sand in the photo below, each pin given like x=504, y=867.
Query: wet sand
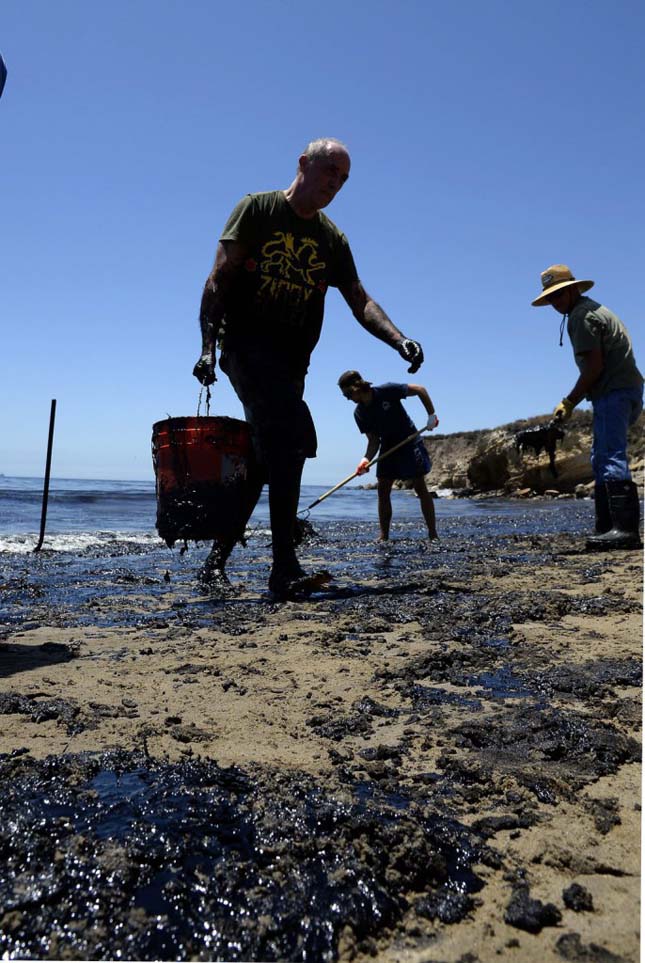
x=483, y=716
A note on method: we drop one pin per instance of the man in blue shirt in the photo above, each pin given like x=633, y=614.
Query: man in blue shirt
x=380, y=415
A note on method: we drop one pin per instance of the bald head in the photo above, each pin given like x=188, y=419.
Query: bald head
x=323, y=168
x=323, y=148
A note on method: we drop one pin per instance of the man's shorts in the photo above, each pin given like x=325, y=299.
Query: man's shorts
x=273, y=406
x=409, y=461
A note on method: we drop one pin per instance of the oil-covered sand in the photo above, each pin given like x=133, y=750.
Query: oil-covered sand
x=437, y=759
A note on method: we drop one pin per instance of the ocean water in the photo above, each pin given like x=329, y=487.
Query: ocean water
x=84, y=513
x=102, y=562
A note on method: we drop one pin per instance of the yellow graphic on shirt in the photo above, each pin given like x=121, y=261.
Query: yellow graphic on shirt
x=289, y=268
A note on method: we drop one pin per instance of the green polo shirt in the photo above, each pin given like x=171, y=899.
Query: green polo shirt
x=277, y=303
x=592, y=325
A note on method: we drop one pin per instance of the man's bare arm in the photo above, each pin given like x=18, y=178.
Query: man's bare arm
x=370, y=314
x=591, y=371
x=229, y=258
x=373, y=445
x=422, y=393
x=373, y=318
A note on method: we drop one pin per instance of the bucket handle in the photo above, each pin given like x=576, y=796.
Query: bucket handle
x=208, y=399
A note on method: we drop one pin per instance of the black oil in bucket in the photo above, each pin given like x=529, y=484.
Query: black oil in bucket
x=201, y=467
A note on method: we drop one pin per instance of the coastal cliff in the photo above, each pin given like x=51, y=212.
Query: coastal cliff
x=487, y=461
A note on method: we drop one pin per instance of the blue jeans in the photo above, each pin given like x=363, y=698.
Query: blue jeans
x=613, y=413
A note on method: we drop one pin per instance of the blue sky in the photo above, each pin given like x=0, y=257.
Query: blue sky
x=488, y=140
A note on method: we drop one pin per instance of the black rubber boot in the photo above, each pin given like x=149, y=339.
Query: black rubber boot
x=624, y=509
x=603, y=518
x=285, y=474
x=288, y=580
x=213, y=573
x=284, y=580
x=284, y=493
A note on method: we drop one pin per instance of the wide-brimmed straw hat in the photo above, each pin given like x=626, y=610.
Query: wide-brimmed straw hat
x=555, y=278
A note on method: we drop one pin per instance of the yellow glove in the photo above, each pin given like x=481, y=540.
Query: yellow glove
x=563, y=411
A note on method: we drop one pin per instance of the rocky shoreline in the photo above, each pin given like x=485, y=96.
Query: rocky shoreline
x=437, y=761
x=486, y=463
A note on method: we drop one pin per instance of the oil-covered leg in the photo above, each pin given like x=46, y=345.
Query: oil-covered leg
x=213, y=574
x=288, y=580
x=284, y=493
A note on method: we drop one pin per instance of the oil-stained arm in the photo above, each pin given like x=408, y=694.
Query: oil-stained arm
x=370, y=314
x=229, y=258
x=373, y=318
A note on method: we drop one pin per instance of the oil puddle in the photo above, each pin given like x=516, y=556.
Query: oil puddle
x=425, y=697
x=502, y=684
x=125, y=857
x=498, y=644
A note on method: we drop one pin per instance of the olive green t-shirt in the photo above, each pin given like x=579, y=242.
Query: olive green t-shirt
x=277, y=303
x=592, y=325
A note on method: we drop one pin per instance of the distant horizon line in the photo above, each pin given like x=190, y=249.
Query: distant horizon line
x=151, y=481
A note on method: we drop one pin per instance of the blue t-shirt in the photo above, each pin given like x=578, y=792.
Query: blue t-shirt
x=385, y=416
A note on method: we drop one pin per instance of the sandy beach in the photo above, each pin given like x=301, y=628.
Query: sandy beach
x=495, y=703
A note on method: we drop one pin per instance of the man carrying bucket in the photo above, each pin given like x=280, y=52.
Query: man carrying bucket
x=263, y=304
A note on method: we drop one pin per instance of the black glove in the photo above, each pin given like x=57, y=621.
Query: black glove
x=411, y=351
x=204, y=370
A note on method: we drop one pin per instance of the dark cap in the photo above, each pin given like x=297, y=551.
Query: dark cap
x=349, y=378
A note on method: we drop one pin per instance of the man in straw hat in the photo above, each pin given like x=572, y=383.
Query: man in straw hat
x=263, y=303
x=610, y=379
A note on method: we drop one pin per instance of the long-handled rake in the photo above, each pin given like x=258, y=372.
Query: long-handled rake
x=354, y=474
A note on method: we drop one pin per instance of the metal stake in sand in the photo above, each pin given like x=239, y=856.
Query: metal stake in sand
x=3, y=74
x=50, y=441
x=373, y=462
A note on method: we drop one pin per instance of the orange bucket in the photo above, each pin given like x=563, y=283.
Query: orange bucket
x=201, y=466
